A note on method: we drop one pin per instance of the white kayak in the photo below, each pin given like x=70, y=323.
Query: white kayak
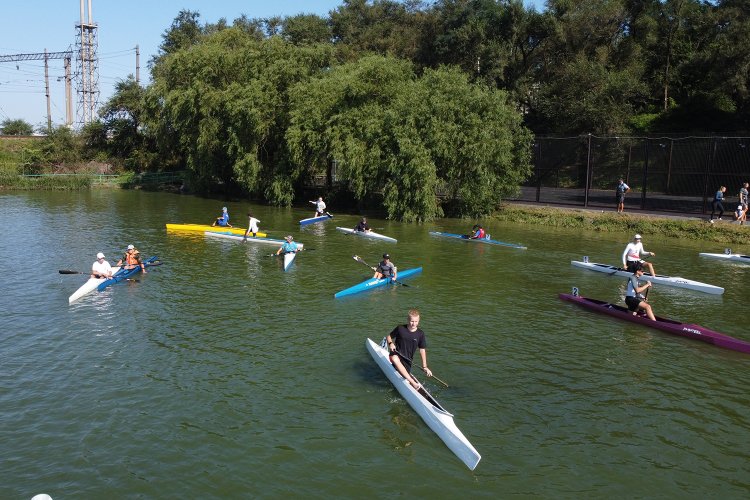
x=250, y=239
x=674, y=281
x=367, y=234
x=288, y=259
x=732, y=257
x=434, y=415
x=88, y=287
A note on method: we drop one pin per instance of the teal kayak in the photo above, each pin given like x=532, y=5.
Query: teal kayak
x=477, y=240
x=375, y=283
x=124, y=274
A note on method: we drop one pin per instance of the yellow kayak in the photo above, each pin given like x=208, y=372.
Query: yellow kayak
x=206, y=227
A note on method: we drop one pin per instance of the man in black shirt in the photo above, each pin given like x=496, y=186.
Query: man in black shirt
x=403, y=342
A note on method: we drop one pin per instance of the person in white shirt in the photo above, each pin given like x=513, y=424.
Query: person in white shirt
x=101, y=268
x=252, y=225
x=320, y=207
x=632, y=256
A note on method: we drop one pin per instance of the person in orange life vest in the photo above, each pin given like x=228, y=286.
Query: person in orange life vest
x=131, y=259
x=477, y=233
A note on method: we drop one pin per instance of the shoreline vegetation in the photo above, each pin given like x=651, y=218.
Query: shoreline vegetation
x=692, y=228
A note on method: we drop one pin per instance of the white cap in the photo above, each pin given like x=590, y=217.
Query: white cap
x=637, y=237
x=100, y=255
x=223, y=209
x=131, y=247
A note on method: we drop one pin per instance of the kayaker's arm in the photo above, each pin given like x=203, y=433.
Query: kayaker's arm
x=423, y=354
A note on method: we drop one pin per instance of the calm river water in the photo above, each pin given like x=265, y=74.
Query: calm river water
x=219, y=375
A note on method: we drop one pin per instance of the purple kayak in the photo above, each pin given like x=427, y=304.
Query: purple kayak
x=689, y=330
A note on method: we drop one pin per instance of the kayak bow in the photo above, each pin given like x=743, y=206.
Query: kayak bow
x=208, y=227
x=367, y=234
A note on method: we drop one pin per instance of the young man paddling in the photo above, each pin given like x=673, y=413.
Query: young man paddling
x=403, y=342
x=386, y=269
x=289, y=246
x=634, y=297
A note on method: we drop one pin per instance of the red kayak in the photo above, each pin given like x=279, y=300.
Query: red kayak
x=688, y=330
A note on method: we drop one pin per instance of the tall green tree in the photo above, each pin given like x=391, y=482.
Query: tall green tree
x=16, y=127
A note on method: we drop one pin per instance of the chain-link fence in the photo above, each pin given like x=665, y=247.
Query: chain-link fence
x=676, y=174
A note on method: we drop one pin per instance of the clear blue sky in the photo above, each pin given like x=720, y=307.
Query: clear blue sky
x=31, y=26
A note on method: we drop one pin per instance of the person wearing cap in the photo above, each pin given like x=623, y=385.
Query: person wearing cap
x=386, y=269
x=252, y=225
x=131, y=259
x=101, y=268
x=634, y=297
x=632, y=255
x=403, y=343
x=740, y=214
x=320, y=207
x=363, y=226
x=289, y=246
x=223, y=220
x=477, y=232
x=620, y=191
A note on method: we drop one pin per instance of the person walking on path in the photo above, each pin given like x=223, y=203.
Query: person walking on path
x=403, y=343
x=743, y=195
x=717, y=203
x=620, y=191
x=631, y=257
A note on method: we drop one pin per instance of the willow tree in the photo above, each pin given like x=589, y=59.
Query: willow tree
x=224, y=101
x=410, y=141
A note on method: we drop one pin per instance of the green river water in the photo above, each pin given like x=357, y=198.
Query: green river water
x=218, y=375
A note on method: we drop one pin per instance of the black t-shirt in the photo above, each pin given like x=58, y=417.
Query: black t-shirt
x=408, y=342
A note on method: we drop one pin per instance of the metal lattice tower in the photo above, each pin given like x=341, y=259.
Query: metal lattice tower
x=87, y=61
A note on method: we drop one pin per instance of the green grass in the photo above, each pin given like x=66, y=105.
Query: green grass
x=611, y=222
x=46, y=182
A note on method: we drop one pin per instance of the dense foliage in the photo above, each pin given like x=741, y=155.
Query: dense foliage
x=423, y=107
x=16, y=127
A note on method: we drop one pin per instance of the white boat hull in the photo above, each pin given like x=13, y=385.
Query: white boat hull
x=288, y=259
x=732, y=257
x=250, y=239
x=367, y=234
x=88, y=287
x=674, y=281
x=434, y=415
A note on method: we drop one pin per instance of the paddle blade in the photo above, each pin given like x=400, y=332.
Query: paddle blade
x=68, y=271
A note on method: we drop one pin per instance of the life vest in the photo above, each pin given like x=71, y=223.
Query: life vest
x=481, y=233
x=131, y=259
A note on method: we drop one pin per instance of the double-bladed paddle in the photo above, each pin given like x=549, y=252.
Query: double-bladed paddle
x=68, y=271
x=361, y=261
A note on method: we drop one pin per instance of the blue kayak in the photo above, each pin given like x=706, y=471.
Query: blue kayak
x=477, y=240
x=313, y=220
x=375, y=283
x=124, y=274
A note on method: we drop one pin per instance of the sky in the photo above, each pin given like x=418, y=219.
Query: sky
x=31, y=26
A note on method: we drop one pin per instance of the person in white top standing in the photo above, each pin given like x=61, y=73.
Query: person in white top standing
x=320, y=207
x=632, y=256
x=101, y=268
x=252, y=225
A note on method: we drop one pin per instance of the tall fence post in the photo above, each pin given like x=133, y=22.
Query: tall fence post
x=709, y=163
x=588, y=175
x=538, y=168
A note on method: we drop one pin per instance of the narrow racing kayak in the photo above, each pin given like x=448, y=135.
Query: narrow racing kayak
x=288, y=259
x=688, y=330
x=728, y=256
x=250, y=239
x=375, y=283
x=674, y=281
x=207, y=227
x=367, y=234
x=124, y=274
x=434, y=415
x=88, y=287
x=313, y=220
x=477, y=240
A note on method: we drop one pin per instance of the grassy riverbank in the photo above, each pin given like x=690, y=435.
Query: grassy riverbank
x=612, y=222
